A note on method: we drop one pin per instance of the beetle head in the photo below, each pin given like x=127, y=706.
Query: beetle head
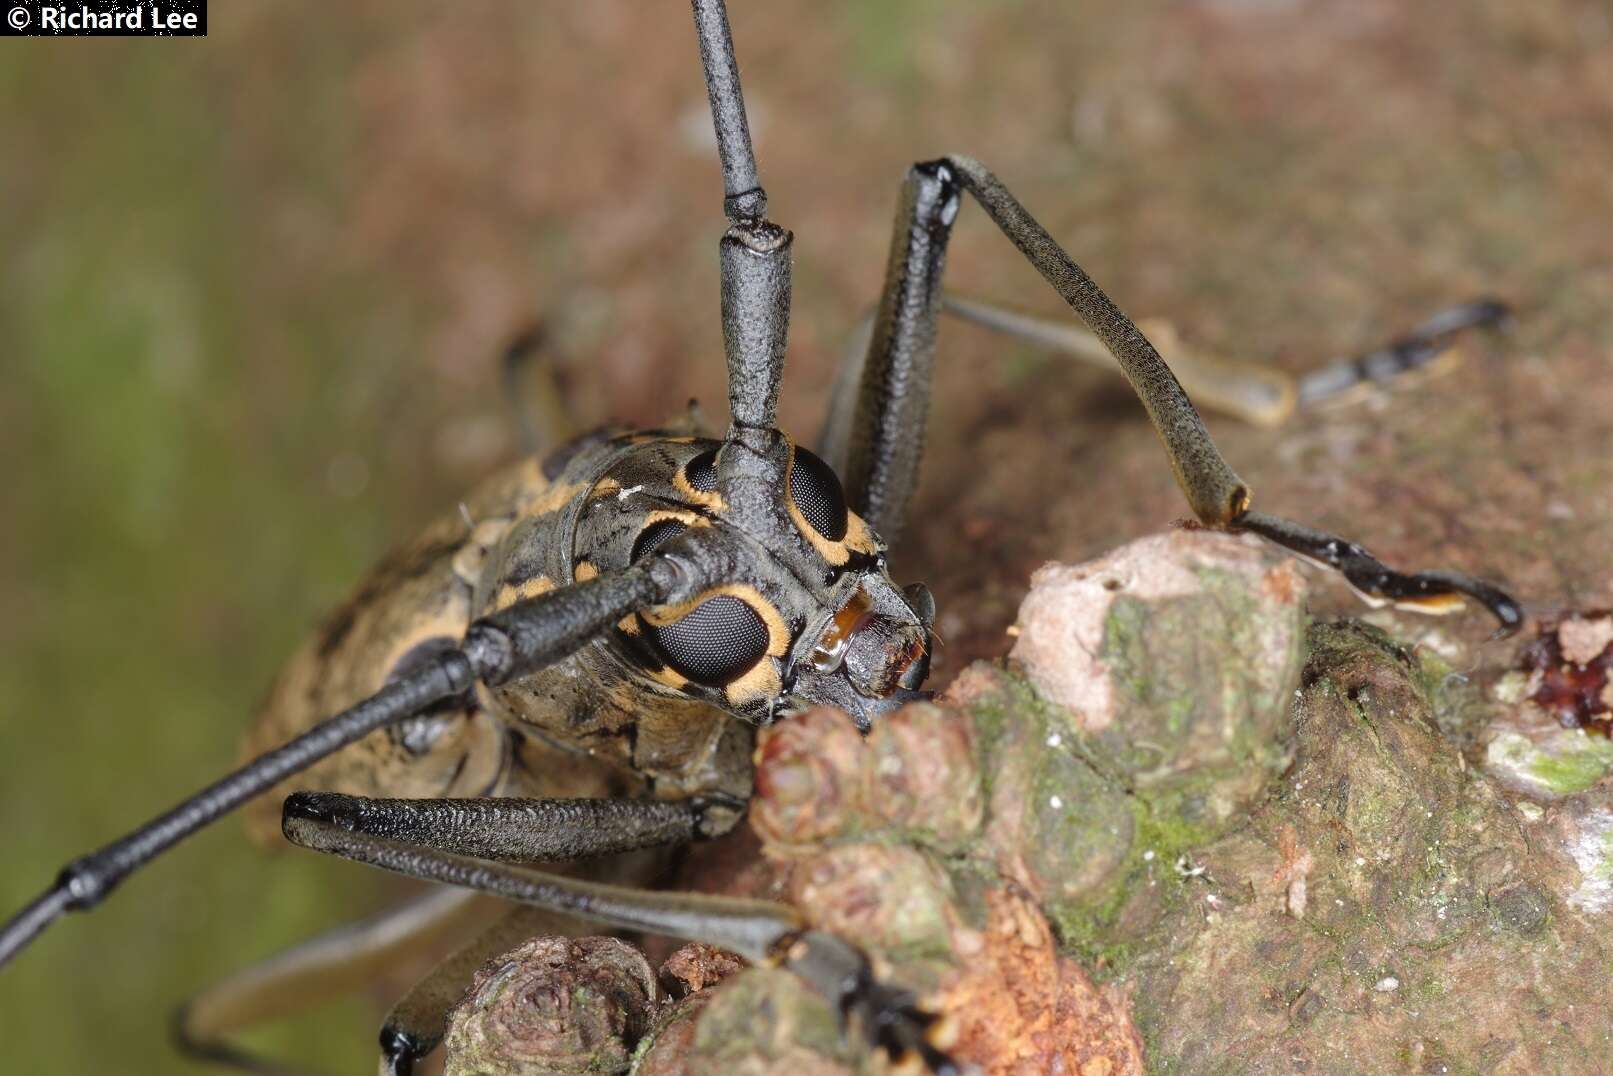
x=807, y=614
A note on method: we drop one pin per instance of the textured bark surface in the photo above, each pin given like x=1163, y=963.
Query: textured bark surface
x=1388, y=908
x=553, y=1006
x=1183, y=829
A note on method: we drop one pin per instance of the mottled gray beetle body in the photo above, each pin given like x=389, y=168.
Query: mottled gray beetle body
x=620, y=714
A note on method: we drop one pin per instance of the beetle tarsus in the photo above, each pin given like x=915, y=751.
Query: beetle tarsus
x=889, y=1018
x=400, y=1051
x=1418, y=348
x=1433, y=592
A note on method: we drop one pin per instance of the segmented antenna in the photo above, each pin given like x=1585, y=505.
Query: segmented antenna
x=744, y=199
x=755, y=254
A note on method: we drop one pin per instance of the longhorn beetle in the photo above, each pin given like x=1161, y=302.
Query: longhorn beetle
x=574, y=666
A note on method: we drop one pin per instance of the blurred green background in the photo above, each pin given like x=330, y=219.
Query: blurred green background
x=252, y=287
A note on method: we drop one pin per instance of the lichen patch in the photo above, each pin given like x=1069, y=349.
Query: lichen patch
x=1592, y=851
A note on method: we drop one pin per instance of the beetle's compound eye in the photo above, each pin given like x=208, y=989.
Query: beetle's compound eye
x=715, y=642
x=816, y=491
x=702, y=471
x=654, y=536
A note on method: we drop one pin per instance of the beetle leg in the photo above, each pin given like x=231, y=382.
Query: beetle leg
x=329, y=824
x=759, y=931
x=1416, y=350
x=329, y=965
x=882, y=440
x=510, y=830
x=876, y=423
x=519, y=830
x=874, y=433
x=1257, y=393
x=1422, y=592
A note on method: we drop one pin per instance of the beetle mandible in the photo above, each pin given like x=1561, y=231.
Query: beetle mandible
x=644, y=600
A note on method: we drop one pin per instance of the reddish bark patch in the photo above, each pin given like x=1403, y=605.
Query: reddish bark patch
x=696, y=966
x=1573, y=685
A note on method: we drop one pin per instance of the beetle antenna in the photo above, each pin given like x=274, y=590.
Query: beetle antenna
x=743, y=196
x=529, y=635
x=755, y=254
x=86, y=881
